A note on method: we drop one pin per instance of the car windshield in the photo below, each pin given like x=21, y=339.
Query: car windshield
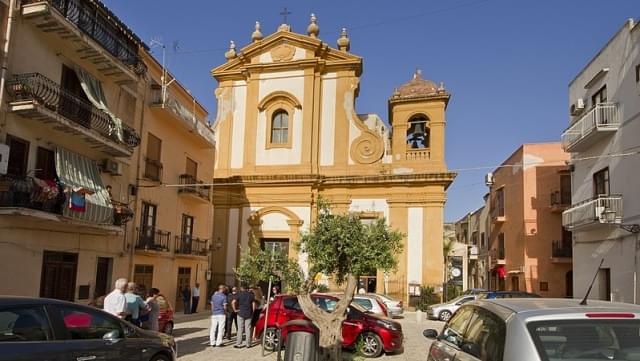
x=460, y=298
x=587, y=339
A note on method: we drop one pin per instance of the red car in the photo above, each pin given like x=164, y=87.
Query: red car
x=372, y=333
x=165, y=321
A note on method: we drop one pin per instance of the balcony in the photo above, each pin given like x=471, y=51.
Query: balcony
x=92, y=31
x=604, y=209
x=188, y=245
x=37, y=98
x=152, y=239
x=192, y=187
x=560, y=201
x=497, y=256
x=418, y=154
x=25, y=196
x=596, y=124
x=561, y=251
x=184, y=114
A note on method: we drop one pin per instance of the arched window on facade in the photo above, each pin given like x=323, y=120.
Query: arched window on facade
x=418, y=132
x=280, y=127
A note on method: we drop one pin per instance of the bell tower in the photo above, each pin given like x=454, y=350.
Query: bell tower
x=417, y=116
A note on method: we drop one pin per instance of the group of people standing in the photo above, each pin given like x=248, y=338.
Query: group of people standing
x=125, y=302
x=242, y=307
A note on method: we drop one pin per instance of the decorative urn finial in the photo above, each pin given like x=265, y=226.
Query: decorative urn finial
x=257, y=34
x=344, y=42
x=231, y=53
x=313, y=29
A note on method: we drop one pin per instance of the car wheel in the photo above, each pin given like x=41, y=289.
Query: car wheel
x=160, y=358
x=168, y=328
x=444, y=316
x=370, y=345
x=271, y=339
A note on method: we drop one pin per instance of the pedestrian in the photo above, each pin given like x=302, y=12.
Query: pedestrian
x=186, y=300
x=231, y=314
x=195, y=297
x=135, y=304
x=154, y=311
x=259, y=301
x=244, y=305
x=218, y=316
x=275, y=290
x=116, y=303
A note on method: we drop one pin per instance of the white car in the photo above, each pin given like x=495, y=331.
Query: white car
x=539, y=329
x=395, y=307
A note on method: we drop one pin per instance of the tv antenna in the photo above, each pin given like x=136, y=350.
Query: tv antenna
x=584, y=300
x=156, y=41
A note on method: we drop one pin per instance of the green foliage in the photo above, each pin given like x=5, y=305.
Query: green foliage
x=340, y=244
x=322, y=288
x=428, y=297
x=453, y=291
x=259, y=264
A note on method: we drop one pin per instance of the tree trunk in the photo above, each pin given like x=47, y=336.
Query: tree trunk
x=329, y=323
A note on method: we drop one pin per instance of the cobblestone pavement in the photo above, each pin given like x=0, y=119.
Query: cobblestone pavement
x=192, y=336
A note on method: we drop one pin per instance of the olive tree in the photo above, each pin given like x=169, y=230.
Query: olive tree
x=341, y=246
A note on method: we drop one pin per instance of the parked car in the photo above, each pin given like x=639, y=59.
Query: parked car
x=474, y=291
x=490, y=295
x=372, y=333
x=46, y=329
x=394, y=307
x=165, y=321
x=372, y=303
x=443, y=311
x=528, y=329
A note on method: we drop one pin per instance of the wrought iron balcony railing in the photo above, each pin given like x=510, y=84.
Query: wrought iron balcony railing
x=561, y=249
x=36, y=87
x=605, y=209
x=601, y=118
x=187, y=244
x=150, y=238
x=191, y=185
x=104, y=30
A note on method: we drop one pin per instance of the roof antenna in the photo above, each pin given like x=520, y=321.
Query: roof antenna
x=584, y=300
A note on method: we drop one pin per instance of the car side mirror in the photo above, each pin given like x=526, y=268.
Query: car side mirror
x=111, y=337
x=471, y=348
x=430, y=333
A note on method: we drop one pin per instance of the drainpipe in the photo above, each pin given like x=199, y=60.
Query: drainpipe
x=5, y=54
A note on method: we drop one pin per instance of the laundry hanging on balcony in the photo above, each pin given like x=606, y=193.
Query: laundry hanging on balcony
x=88, y=200
x=93, y=89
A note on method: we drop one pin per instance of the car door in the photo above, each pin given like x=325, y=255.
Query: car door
x=352, y=326
x=91, y=334
x=447, y=345
x=26, y=334
x=484, y=337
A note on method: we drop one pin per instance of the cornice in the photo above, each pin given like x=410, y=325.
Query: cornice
x=444, y=178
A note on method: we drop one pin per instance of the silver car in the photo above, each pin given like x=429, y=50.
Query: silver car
x=395, y=307
x=443, y=311
x=537, y=329
x=371, y=303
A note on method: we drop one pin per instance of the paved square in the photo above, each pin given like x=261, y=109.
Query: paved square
x=192, y=335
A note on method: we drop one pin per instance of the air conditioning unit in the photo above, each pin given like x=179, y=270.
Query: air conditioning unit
x=111, y=166
x=577, y=107
x=488, y=179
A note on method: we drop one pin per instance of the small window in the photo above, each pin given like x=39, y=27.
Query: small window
x=153, y=164
x=600, y=96
x=87, y=325
x=418, y=133
x=544, y=286
x=280, y=127
x=601, y=182
x=499, y=207
x=23, y=325
x=191, y=168
x=501, y=251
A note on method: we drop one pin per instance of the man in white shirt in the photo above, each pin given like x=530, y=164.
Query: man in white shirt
x=116, y=303
x=195, y=297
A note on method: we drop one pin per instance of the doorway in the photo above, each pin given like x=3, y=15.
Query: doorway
x=367, y=283
x=568, y=284
x=184, y=280
x=143, y=277
x=58, y=279
x=103, y=276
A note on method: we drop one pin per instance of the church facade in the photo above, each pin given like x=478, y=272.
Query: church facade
x=287, y=133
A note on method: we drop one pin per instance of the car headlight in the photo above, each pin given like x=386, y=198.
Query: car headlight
x=388, y=325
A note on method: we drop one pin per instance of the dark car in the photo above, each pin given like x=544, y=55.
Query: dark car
x=372, y=333
x=52, y=330
x=491, y=295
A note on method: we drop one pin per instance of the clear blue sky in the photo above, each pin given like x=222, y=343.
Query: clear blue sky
x=506, y=62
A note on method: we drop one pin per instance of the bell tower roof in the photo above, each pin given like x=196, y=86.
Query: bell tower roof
x=418, y=89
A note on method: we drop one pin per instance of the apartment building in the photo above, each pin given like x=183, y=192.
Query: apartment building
x=173, y=225
x=472, y=231
x=602, y=138
x=529, y=250
x=70, y=109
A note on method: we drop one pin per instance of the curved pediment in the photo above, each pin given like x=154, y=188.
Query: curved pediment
x=283, y=49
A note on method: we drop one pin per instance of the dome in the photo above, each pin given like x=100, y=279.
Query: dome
x=417, y=87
